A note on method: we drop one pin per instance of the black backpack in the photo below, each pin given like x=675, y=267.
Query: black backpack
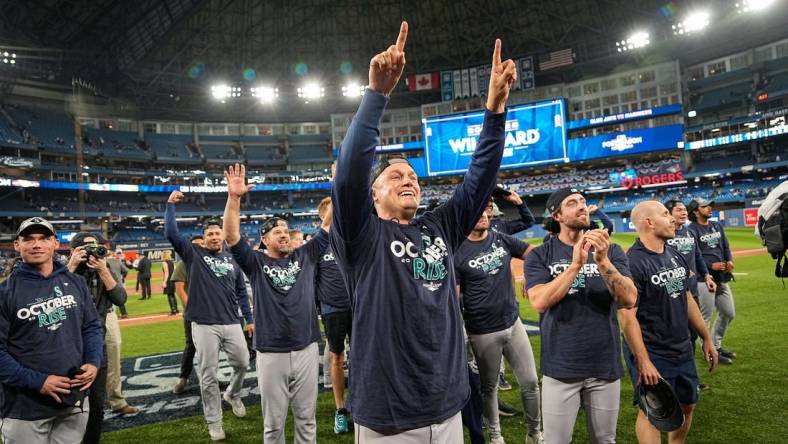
x=774, y=232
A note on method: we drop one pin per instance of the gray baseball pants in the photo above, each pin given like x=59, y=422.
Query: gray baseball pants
x=513, y=344
x=722, y=300
x=65, y=428
x=561, y=399
x=284, y=378
x=446, y=432
x=208, y=340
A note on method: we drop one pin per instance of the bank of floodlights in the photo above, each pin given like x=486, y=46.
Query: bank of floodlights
x=637, y=40
x=9, y=58
x=311, y=91
x=352, y=90
x=265, y=94
x=744, y=6
x=692, y=23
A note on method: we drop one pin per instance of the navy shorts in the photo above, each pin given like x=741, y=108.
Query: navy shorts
x=338, y=326
x=681, y=374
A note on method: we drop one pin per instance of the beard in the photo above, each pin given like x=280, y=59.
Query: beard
x=578, y=225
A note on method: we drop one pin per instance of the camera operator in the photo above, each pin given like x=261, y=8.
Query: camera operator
x=50, y=344
x=88, y=259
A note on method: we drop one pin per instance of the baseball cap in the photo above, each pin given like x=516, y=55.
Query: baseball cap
x=660, y=405
x=271, y=223
x=119, y=250
x=195, y=237
x=697, y=203
x=35, y=222
x=79, y=239
x=671, y=204
x=500, y=191
x=383, y=163
x=555, y=199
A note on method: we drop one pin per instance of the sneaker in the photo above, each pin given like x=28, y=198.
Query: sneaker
x=180, y=386
x=724, y=360
x=239, y=409
x=505, y=409
x=215, y=431
x=127, y=410
x=340, y=421
x=503, y=384
x=498, y=440
x=727, y=353
x=535, y=439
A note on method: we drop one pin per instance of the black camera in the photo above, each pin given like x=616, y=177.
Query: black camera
x=95, y=250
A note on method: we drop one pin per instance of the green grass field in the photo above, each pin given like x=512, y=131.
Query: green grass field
x=746, y=402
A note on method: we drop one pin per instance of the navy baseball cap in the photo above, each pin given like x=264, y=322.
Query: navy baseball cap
x=35, y=222
x=660, y=405
x=555, y=199
x=383, y=163
x=271, y=223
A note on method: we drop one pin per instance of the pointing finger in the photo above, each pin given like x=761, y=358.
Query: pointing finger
x=496, y=61
x=403, y=35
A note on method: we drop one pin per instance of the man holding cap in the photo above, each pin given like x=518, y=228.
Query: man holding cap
x=658, y=343
x=577, y=280
x=51, y=344
x=217, y=301
x=716, y=252
x=286, y=330
x=409, y=377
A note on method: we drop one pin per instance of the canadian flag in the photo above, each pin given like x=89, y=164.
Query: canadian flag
x=423, y=82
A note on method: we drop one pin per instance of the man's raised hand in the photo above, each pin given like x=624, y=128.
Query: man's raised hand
x=502, y=78
x=386, y=68
x=175, y=197
x=236, y=180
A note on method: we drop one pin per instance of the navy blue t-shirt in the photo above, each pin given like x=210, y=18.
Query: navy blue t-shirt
x=217, y=292
x=580, y=334
x=409, y=365
x=484, y=273
x=712, y=242
x=662, y=280
x=47, y=326
x=686, y=244
x=331, y=291
x=284, y=295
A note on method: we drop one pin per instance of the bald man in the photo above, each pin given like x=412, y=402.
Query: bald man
x=658, y=343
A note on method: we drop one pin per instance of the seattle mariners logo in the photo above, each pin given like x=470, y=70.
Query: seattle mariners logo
x=489, y=262
x=283, y=278
x=671, y=278
x=221, y=266
x=588, y=271
x=51, y=312
x=428, y=264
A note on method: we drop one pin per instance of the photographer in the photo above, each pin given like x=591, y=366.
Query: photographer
x=88, y=259
x=50, y=344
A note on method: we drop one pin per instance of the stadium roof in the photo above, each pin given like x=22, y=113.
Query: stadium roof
x=162, y=55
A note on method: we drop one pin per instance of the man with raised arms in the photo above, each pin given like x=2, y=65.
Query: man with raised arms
x=408, y=379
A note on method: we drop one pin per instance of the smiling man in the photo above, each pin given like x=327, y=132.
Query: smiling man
x=576, y=280
x=51, y=343
x=409, y=379
x=217, y=302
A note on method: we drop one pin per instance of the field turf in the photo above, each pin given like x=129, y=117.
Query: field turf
x=746, y=402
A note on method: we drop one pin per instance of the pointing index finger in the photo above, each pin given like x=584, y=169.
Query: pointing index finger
x=496, y=61
x=403, y=35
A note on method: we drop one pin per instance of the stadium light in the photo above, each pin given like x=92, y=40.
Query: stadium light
x=311, y=91
x=635, y=41
x=220, y=91
x=353, y=90
x=694, y=22
x=265, y=94
x=753, y=5
x=692, y=113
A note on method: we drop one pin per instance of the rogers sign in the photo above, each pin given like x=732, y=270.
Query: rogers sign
x=639, y=181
